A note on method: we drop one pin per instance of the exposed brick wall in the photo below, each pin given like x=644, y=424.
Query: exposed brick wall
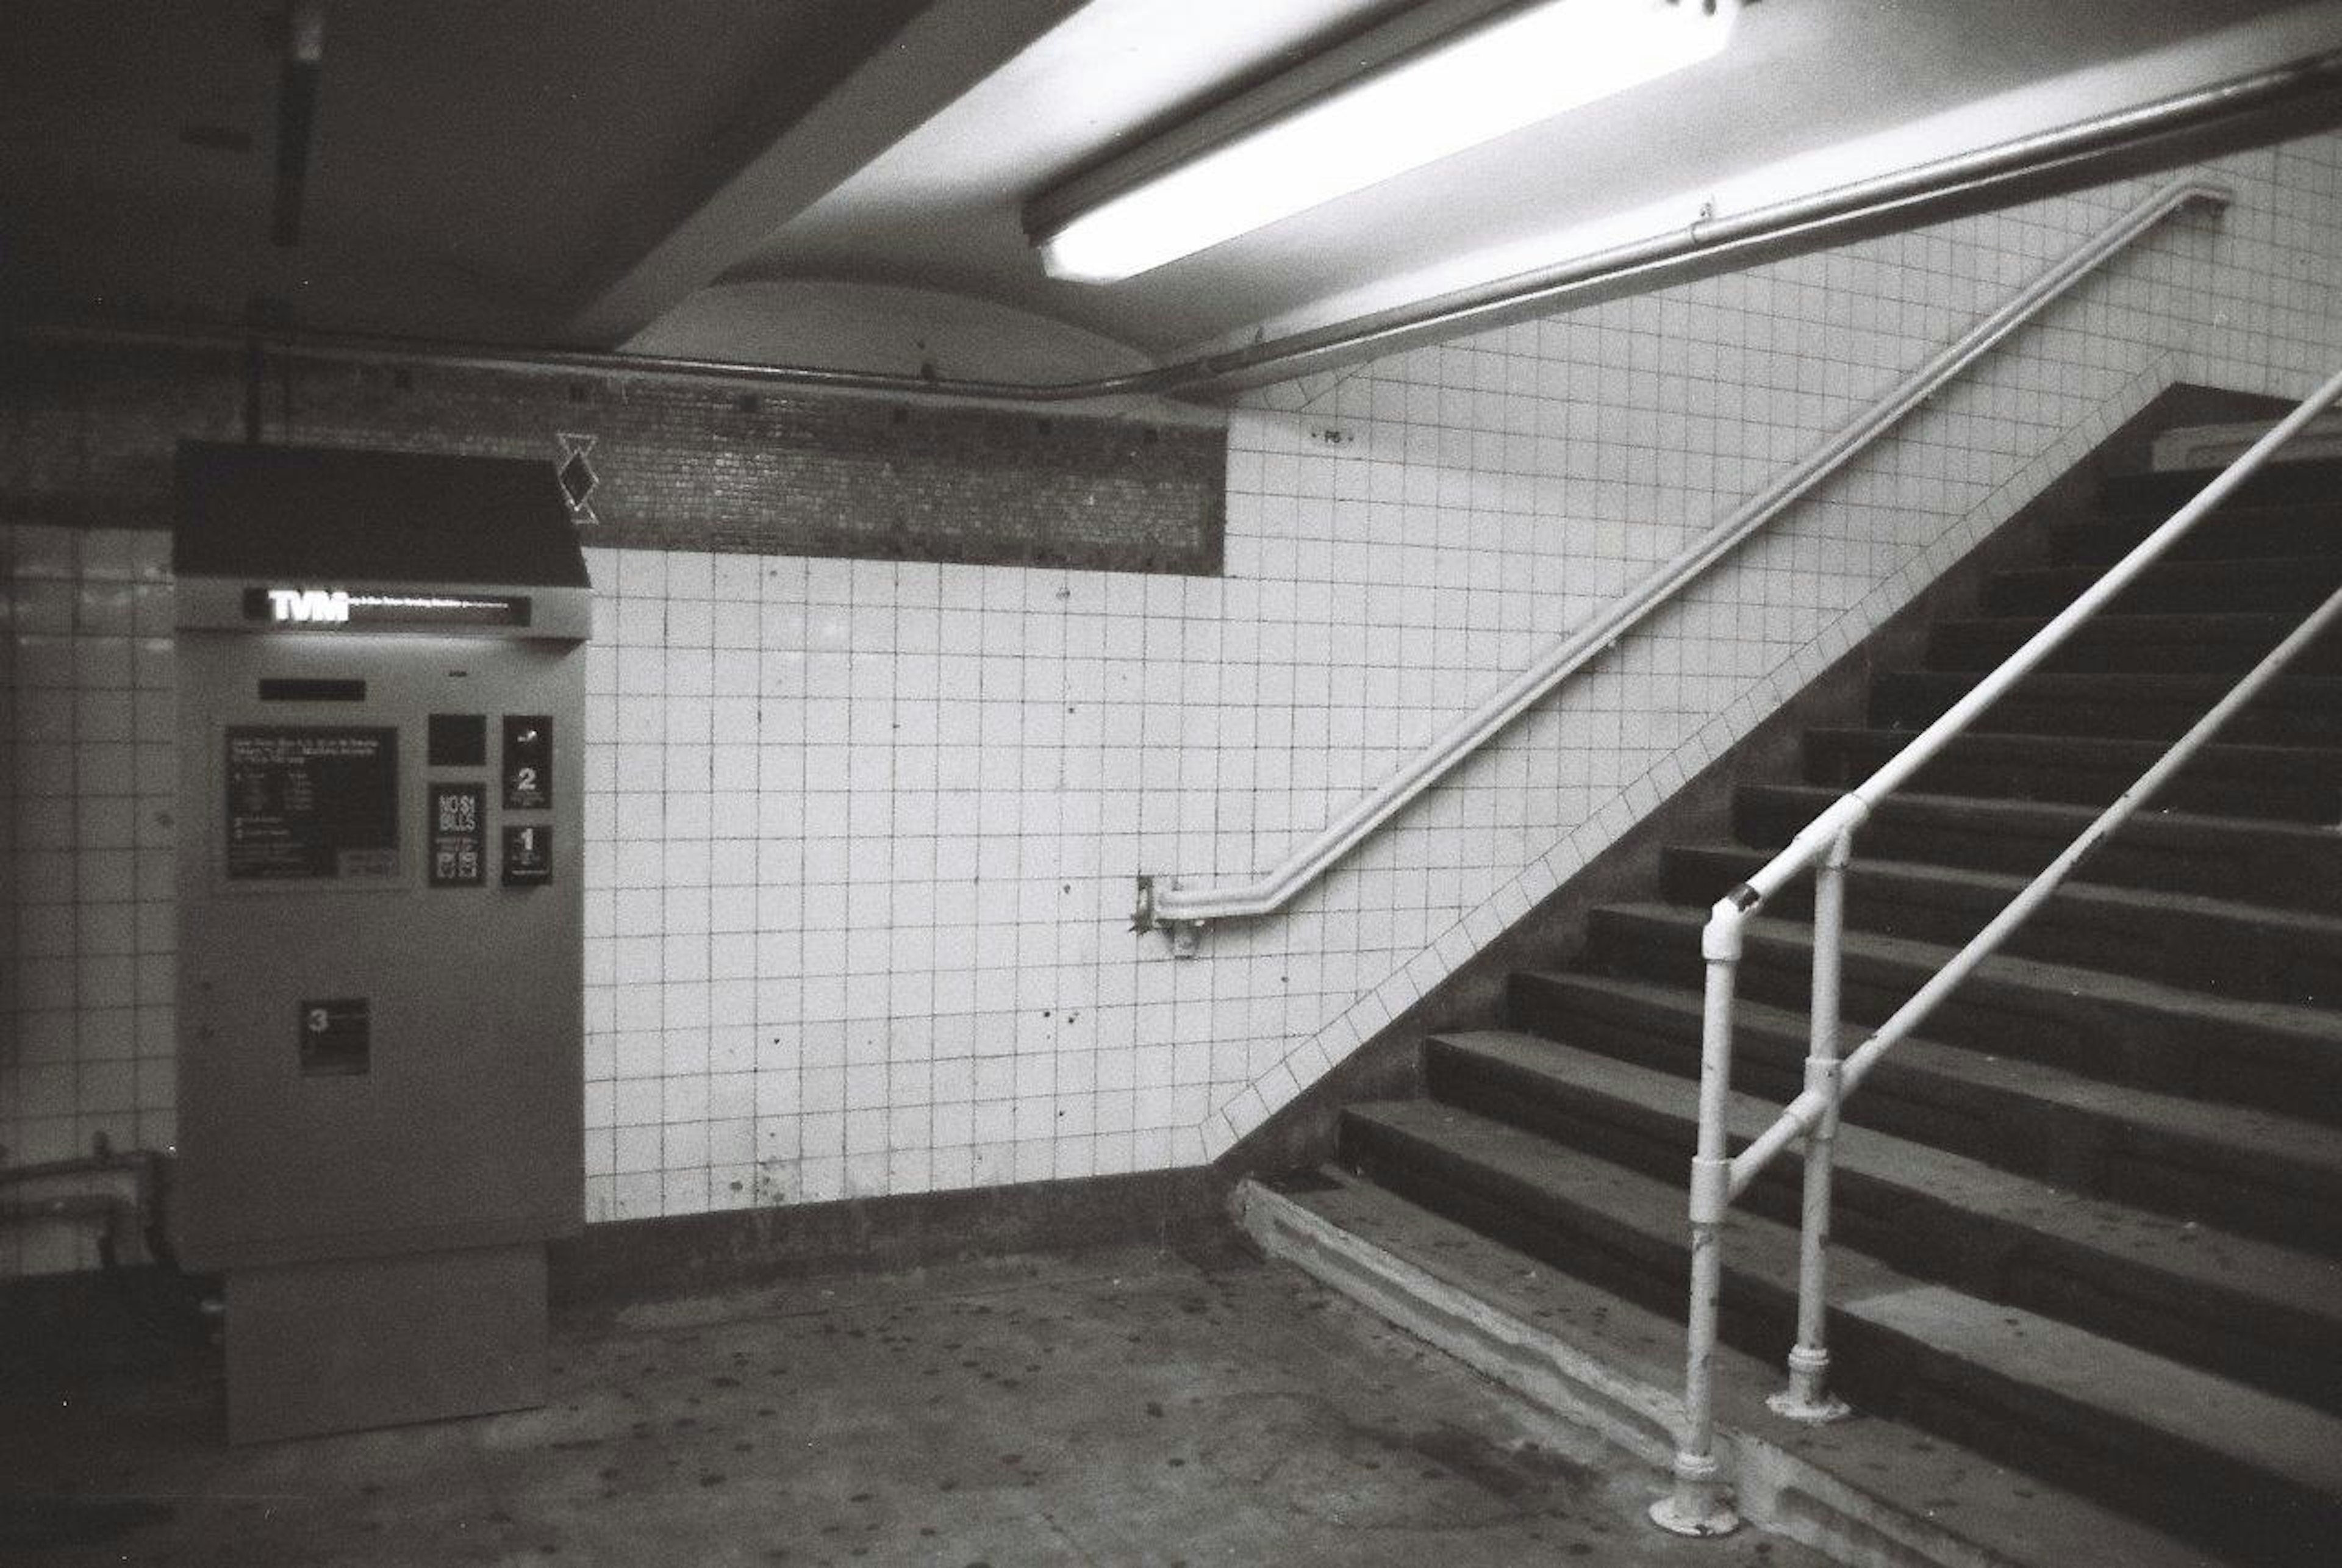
x=86, y=438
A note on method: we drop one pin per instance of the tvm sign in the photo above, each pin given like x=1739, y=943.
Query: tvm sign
x=325, y=605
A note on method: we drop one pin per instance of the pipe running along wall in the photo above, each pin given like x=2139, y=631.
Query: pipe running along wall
x=2248, y=111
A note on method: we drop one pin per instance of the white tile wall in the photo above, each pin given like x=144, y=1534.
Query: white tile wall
x=863, y=835
x=87, y=790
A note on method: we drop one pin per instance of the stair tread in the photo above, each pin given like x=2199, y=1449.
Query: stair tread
x=1636, y=1372
x=2286, y=471
x=2152, y=625
x=2235, y=752
x=2274, y=1434
x=1940, y=803
x=2149, y=513
x=2212, y=685
x=2305, y=1287
x=2143, y=520
x=2271, y=584
x=2087, y=573
x=2151, y=634
x=2182, y=1404
x=2306, y=523
x=2286, y=475
x=2244, y=1128
x=2105, y=896
x=2314, y=1024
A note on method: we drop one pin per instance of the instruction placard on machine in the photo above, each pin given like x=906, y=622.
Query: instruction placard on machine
x=311, y=803
x=457, y=835
x=528, y=854
x=528, y=762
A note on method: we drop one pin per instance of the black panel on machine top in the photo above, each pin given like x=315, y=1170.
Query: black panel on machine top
x=309, y=515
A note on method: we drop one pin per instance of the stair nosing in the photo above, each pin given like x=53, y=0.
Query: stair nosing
x=2039, y=683
x=2173, y=563
x=2234, y=751
x=2079, y=886
x=2311, y=1023
x=2141, y=621
x=1940, y=800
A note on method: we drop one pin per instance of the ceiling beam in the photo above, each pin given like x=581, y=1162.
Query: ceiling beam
x=939, y=54
x=296, y=115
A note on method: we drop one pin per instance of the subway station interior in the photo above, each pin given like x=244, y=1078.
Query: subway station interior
x=1117, y=782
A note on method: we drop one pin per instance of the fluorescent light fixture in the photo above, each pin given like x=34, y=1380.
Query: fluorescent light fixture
x=1473, y=87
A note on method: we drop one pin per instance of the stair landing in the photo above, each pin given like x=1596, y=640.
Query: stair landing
x=1617, y=1369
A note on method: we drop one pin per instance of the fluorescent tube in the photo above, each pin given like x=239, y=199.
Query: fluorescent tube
x=1524, y=67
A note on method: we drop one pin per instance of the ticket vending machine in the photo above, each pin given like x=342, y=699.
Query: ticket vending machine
x=381, y=685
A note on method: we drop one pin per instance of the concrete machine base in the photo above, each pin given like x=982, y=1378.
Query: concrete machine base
x=355, y=1342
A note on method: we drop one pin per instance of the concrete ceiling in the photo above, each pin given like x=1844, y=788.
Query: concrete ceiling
x=840, y=181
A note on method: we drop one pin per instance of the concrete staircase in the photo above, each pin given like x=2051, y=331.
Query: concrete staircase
x=2089, y=1229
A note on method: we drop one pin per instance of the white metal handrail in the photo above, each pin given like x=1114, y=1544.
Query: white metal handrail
x=1697, y=1504
x=1184, y=911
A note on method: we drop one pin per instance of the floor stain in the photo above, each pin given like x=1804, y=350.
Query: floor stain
x=47, y=1523
x=1163, y=1411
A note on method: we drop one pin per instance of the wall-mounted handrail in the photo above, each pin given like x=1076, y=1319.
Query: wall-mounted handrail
x=1184, y=910
x=1697, y=1505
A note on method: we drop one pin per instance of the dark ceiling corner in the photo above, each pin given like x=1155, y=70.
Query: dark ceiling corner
x=804, y=68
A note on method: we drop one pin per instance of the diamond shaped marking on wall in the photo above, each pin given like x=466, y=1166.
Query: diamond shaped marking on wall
x=575, y=469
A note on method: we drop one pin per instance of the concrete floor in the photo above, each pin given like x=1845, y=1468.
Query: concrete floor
x=1123, y=1407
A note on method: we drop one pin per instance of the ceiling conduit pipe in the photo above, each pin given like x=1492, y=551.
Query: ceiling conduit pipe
x=2270, y=106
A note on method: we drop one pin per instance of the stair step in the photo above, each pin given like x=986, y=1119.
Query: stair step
x=2298, y=784
x=2113, y=644
x=2286, y=865
x=2087, y=1224
x=2252, y=1172
x=2230, y=1465
x=2119, y=1028
x=2301, y=710
x=2221, y=947
x=2238, y=531
x=2207, y=448
x=2277, y=484
x=2246, y=1309
x=1604, y=1363
x=2276, y=583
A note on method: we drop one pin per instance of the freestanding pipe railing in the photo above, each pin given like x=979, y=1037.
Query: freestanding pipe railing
x=1697, y=1504
x=1183, y=911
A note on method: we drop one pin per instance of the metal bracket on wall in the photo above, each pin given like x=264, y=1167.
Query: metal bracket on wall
x=1185, y=934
